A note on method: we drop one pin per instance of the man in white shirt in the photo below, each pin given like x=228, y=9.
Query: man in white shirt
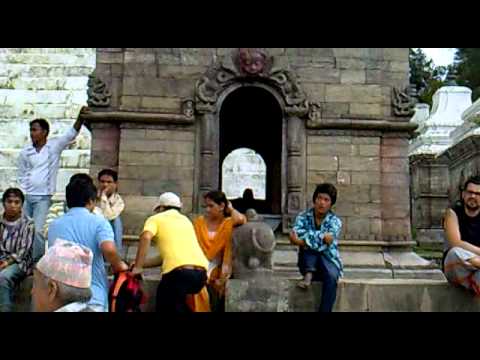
x=38, y=165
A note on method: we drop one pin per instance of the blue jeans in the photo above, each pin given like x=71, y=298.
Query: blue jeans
x=323, y=270
x=117, y=227
x=37, y=207
x=10, y=277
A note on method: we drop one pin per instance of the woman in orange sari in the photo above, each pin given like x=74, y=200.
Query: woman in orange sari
x=214, y=233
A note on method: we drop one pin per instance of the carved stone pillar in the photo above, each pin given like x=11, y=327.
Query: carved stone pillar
x=209, y=154
x=295, y=170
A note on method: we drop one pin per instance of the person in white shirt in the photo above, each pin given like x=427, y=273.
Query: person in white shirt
x=38, y=165
x=110, y=203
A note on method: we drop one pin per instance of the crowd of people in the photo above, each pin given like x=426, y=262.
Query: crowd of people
x=195, y=258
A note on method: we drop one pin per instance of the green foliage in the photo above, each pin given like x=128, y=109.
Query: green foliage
x=426, y=77
x=467, y=68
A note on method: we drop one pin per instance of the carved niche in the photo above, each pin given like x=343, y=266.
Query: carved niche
x=247, y=64
x=98, y=93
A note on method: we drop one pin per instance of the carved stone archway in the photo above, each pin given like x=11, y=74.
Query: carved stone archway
x=254, y=67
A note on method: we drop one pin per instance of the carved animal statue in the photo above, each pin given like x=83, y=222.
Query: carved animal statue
x=252, y=248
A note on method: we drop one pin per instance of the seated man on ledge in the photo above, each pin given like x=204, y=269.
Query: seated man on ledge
x=17, y=233
x=316, y=233
x=461, y=259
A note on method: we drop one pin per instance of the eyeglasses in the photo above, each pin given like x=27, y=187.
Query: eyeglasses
x=472, y=193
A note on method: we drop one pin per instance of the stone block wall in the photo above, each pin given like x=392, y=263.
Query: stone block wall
x=370, y=171
x=344, y=81
x=429, y=194
x=152, y=160
x=43, y=82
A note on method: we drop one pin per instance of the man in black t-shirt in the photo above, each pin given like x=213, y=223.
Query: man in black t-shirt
x=461, y=223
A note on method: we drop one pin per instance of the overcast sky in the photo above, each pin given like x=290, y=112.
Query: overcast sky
x=440, y=56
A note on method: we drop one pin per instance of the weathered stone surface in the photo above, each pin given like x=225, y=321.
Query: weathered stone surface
x=366, y=109
x=324, y=163
x=352, y=76
x=332, y=149
x=353, y=93
x=406, y=260
x=363, y=259
x=357, y=163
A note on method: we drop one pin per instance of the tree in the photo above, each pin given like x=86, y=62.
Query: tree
x=426, y=77
x=467, y=68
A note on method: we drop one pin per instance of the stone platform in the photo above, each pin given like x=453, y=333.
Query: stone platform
x=354, y=295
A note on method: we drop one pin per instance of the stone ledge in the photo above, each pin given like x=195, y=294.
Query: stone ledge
x=143, y=117
x=363, y=124
x=376, y=295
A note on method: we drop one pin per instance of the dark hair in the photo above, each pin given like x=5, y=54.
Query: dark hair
x=326, y=188
x=219, y=198
x=79, y=192
x=472, y=180
x=43, y=124
x=81, y=177
x=108, y=172
x=13, y=192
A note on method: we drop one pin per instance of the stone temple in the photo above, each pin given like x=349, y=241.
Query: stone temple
x=166, y=118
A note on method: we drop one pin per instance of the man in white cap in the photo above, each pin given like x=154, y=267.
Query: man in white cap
x=62, y=279
x=184, y=266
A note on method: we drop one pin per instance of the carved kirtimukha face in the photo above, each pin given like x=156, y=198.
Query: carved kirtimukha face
x=252, y=62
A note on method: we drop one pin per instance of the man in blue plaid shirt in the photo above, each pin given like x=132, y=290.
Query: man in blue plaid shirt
x=316, y=232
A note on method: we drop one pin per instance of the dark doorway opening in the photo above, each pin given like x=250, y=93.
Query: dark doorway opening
x=251, y=117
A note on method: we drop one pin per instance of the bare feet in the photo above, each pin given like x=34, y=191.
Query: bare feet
x=306, y=282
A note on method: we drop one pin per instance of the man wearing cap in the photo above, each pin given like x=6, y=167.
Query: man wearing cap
x=81, y=226
x=184, y=266
x=62, y=279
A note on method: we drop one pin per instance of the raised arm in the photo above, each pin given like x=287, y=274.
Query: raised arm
x=79, y=122
x=237, y=217
x=452, y=232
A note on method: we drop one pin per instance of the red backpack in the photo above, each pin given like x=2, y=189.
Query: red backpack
x=126, y=293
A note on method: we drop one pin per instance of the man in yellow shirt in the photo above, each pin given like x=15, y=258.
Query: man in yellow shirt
x=184, y=266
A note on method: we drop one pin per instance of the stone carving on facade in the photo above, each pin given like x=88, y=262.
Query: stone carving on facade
x=314, y=112
x=252, y=248
x=252, y=61
x=246, y=65
x=403, y=102
x=97, y=92
x=188, y=108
